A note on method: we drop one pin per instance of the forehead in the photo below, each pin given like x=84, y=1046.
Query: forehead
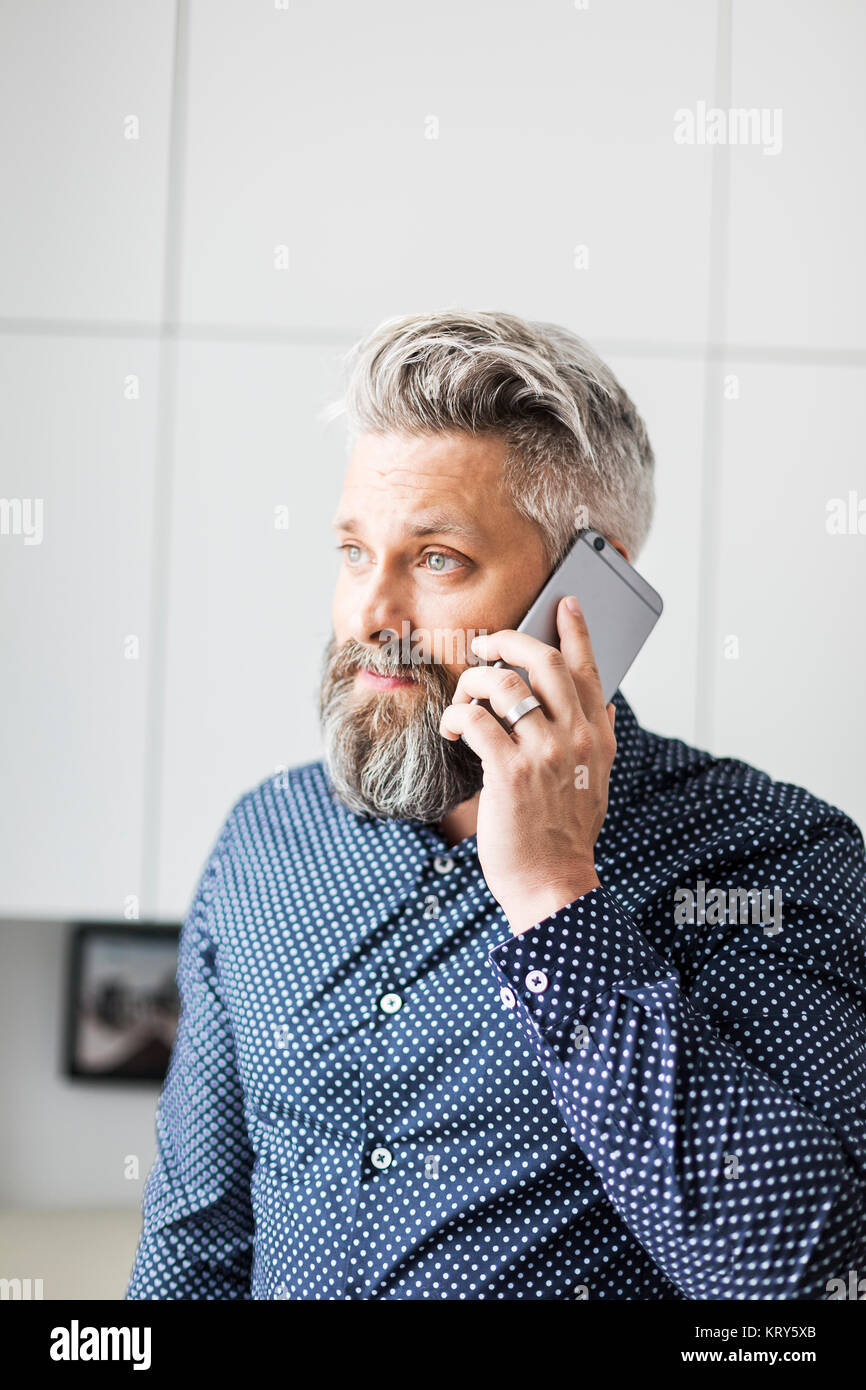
x=412, y=472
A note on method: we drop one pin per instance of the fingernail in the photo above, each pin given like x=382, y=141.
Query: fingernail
x=572, y=604
x=474, y=643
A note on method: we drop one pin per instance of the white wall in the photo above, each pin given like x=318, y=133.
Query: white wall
x=725, y=286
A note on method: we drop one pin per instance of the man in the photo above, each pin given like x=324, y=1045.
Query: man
x=464, y=1017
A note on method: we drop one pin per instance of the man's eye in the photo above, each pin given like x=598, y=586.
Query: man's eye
x=440, y=562
x=352, y=553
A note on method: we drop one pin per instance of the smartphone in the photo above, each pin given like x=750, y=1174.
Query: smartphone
x=620, y=607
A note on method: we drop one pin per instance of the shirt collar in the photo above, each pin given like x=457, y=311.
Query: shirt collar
x=628, y=762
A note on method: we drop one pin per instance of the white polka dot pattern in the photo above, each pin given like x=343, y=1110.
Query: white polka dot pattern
x=377, y=1092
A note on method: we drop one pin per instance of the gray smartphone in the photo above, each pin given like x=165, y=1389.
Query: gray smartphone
x=620, y=607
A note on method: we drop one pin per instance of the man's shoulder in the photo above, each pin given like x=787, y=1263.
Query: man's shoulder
x=296, y=792
x=737, y=789
x=291, y=805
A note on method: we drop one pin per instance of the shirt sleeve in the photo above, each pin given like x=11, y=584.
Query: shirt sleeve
x=725, y=1115
x=197, y=1231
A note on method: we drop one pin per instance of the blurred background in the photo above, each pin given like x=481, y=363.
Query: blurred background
x=206, y=202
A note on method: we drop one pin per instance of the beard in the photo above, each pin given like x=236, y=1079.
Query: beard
x=383, y=749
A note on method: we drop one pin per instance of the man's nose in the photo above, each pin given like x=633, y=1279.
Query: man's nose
x=378, y=613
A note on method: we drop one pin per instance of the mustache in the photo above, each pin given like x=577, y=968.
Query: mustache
x=353, y=656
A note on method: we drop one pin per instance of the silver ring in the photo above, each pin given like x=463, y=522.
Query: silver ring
x=522, y=707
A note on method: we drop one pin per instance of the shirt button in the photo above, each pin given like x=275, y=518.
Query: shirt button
x=381, y=1158
x=508, y=997
x=443, y=863
x=390, y=1003
x=536, y=981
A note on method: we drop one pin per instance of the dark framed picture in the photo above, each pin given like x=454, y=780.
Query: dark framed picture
x=122, y=1004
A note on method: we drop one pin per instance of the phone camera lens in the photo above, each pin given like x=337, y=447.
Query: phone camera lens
x=598, y=543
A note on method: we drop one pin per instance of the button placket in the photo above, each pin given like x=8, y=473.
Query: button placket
x=391, y=1000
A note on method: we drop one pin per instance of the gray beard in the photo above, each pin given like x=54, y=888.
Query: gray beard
x=384, y=754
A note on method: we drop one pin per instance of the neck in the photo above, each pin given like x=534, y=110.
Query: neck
x=461, y=822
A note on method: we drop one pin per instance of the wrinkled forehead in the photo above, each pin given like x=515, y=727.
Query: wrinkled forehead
x=428, y=483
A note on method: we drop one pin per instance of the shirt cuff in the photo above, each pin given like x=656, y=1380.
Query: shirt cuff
x=560, y=965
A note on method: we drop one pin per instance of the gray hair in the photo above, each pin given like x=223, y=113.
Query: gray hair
x=578, y=451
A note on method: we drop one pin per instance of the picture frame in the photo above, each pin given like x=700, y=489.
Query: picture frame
x=122, y=1004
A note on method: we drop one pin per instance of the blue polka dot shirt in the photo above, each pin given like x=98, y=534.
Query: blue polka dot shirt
x=377, y=1091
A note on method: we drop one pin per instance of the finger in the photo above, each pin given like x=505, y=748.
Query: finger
x=480, y=730
x=580, y=659
x=502, y=687
x=611, y=714
x=546, y=666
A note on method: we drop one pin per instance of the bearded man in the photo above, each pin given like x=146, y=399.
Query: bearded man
x=444, y=1031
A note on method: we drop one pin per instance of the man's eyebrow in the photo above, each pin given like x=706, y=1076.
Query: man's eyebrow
x=428, y=524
